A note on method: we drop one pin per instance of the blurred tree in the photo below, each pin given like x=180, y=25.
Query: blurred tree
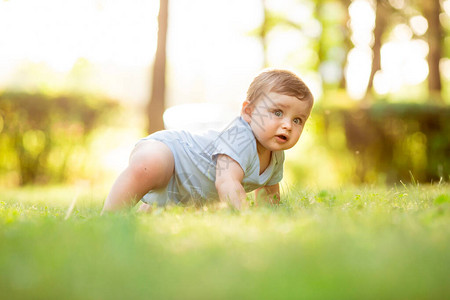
x=330, y=45
x=346, y=42
x=334, y=42
x=156, y=106
x=387, y=16
x=270, y=21
x=432, y=10
x=265, y=27
x=382, y=11
x=320, y=43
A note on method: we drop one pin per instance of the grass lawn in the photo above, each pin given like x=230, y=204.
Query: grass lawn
x=353, y=243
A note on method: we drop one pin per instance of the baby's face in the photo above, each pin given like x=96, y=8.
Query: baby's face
x=277, y=120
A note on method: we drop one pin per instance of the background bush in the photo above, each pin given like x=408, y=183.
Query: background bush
x=41, y=133
x=390, y=141
x=45, y=138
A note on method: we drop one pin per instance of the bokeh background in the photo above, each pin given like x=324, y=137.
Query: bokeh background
x=81, y=81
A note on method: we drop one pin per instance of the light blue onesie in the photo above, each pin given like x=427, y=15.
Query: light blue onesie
x=195, y=156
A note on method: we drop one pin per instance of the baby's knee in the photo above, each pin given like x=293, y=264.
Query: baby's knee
x=139, y=171
x=152, y=152
x=152, y=163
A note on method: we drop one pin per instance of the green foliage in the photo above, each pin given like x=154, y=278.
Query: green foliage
x=391, y=142
x=365, y=243
x=41, y=133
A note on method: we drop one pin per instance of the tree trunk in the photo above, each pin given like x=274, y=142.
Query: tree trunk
x=380, y=25
x=431, y=10
x=156, y=106
x=347, y=43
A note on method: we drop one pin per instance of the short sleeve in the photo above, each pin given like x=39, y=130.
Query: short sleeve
x=236, y=141
x=277, y=174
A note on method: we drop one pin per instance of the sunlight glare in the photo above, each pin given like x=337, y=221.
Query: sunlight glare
x=113, y=147
x=381, y=83
x=401, y=32
x=301, y=10
x=330, y=71
x=211, y=54
x=419, y=25
x=402, y=62
x=445, y=68
x=212, y=58
x=362, y=22
x=446, y=7
x=314, y=81
x=283, y=43
x=58, y=33
x=397, y=4
x=357, y=71
x=312, y=29
x=303, y=14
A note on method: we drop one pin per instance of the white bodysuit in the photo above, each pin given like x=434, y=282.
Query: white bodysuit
x=195, y=156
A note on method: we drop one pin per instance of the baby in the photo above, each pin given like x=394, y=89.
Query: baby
x=172, y=166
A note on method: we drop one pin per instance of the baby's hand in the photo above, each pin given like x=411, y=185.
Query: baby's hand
x=233, y=206
x=229, y=176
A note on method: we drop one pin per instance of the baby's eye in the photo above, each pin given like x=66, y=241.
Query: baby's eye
x=278, y=113
x=297, y=121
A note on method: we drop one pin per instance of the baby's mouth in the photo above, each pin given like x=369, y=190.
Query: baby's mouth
x=282, y=137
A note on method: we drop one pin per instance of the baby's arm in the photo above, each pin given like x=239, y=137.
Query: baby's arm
x=229, y=176
x=269, y=194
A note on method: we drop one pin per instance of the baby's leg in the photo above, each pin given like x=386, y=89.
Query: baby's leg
x=150, y=167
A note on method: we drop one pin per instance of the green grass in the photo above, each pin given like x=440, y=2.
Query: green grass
x=354, y=243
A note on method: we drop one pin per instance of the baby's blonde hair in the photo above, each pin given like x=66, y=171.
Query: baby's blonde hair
x=278, y=81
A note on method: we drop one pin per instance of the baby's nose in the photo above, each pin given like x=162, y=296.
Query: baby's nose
x=286, y=124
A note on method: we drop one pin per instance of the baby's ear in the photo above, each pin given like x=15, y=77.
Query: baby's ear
x=247, y=110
